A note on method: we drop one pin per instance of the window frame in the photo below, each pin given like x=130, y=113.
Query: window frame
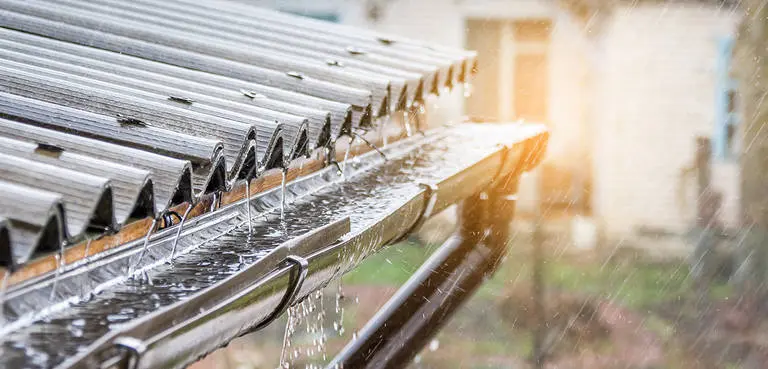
x=727, y=119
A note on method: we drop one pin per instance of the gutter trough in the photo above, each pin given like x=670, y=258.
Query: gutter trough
x=184, y=293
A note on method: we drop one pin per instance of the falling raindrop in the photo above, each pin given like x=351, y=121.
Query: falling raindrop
x=371, y=145
x=151, y=229
x=178, y=231
x=86, y=253
x=383, y=125
x=407, y=124
x=346, y=156
x=282, y=196
x=338, y=325
x=248, y=203
x=467, y=89
x=60, y=261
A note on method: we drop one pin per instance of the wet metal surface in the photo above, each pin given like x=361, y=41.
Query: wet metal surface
x=382, y=203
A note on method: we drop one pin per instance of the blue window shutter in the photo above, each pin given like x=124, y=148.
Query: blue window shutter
x=725, y=87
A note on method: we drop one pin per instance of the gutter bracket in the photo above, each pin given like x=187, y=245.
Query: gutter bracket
x=134, y=348
x=297, y=281
x=430, y=190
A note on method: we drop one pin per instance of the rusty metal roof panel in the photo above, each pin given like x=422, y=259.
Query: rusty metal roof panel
x=33, y=220
x=172, y=177
x=131, y=187
x=87, y=199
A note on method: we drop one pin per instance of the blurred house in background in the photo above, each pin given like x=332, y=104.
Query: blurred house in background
x=626, y=87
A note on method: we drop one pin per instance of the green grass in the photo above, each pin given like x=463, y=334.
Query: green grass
x=391, y=266
x=636, y=284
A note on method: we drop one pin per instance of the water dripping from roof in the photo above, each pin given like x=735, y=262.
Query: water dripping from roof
x=322, y=340
x=178, y=231
x=87, y=264
x=467, y=89
x=282, y=197
x=289, y=327
x=152, y=226
x=371, y=145
x=383, y=125
x=407, y=123
x=346, y=156
x=338, y=325
x=60, y=261
x=248, y=203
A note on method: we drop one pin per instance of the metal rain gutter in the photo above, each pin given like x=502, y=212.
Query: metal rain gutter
x=150, y=341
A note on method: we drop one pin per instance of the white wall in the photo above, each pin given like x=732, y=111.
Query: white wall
x=656, y=84
x=633, y=97
x=568, y=94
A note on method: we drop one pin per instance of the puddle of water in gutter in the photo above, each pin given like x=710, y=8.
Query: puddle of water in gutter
x=365, y=197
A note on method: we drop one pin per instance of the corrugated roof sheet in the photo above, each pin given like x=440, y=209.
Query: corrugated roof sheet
x=113, y=111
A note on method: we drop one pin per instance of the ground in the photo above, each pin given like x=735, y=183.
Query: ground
x=604, y=309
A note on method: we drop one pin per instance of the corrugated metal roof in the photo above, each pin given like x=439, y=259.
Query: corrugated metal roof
x=113, y=111
x=34, y=220
x=172, y=178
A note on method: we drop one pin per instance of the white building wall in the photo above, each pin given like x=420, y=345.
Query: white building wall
x=656, y=84
x=568, y=94
x=630, y=99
